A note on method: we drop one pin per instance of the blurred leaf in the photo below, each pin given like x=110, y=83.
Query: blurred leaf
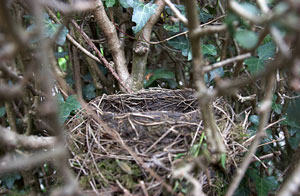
x=250, y=8
x=65, y=108
x=89, y=91
x=254, y=119
x=276, y=107
x=159, y=74
x=243, y=189
x=219, y=72
x=204, y=16
x=2, y=112
x=174, y=28
x=293, y=111
x=9, y=179
x=125, y=167
x=181, y=8
x=209, y=49
x=50, y=30
x=110, y=3
x=263, y=185
x=245, y=38
x=255, y=65
x=266, y=51
x=141, y=12
x=223, y=160
x=182, y=43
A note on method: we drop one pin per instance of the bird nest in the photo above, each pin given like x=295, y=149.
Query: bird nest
x=155, y=129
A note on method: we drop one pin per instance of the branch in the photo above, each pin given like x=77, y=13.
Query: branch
x=141, y=48
x=104, y=61
x=214, y=138
x=181, y=17
x=113, y=42
x=10, y=140
x=263, y=119
x=201, y=31
x=72, y=40
x=226, y=62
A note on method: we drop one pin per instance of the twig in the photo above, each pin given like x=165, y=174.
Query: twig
x=225, y=62
x=181, y=17
x=104, y=61
x=264, y=114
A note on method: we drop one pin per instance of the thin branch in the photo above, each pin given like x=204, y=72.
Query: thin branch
x=10, y=140
x=226, y=62
x=104, y=61
x=20, y=163
x=72, y=40
x=181, y=17
x=201, y=31
x=263, y=119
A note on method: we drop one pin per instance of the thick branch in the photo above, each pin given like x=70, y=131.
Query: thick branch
x=10, y=140
x=113, y=41
x=141, y=49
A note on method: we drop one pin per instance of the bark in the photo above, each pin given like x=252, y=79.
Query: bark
x=113, y=41
x=141, y=49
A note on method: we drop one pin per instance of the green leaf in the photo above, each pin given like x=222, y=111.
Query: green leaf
x=204, y=16
x=89, y=91
x=9, y=179
x=266, y=51
x=250, y=8
x=49, y=31
x=243, y=189
x=209, y=49
x=51, y=28
x=255, y=65
x=141, y=12
x=65, y=108
x=159, y=74
x=223, y=160
x=254, y=119
x=181, y=43
x=246, y=39
x=263, y=185
x=110, y=3
x=2, y=112
x=174, y=28
x=293, y=111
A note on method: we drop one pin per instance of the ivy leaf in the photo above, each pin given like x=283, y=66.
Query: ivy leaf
x=9, y=179
x=266, y=51
x=141, y=12
x=49, y=31
x=89, y=91
x=293, y=111
x=65, y=108
x=254, y=64
x=181, y=43
x=254, y=119
x=243, y=189
x=209, y=49
x=250, y=8
x=174, y=28
x=246, y=39
x=263, y=185
x=2, y=112
x=110, y=3
x=204, y=16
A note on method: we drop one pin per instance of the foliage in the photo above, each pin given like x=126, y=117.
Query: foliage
x=66, y=107
x=141, y=12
